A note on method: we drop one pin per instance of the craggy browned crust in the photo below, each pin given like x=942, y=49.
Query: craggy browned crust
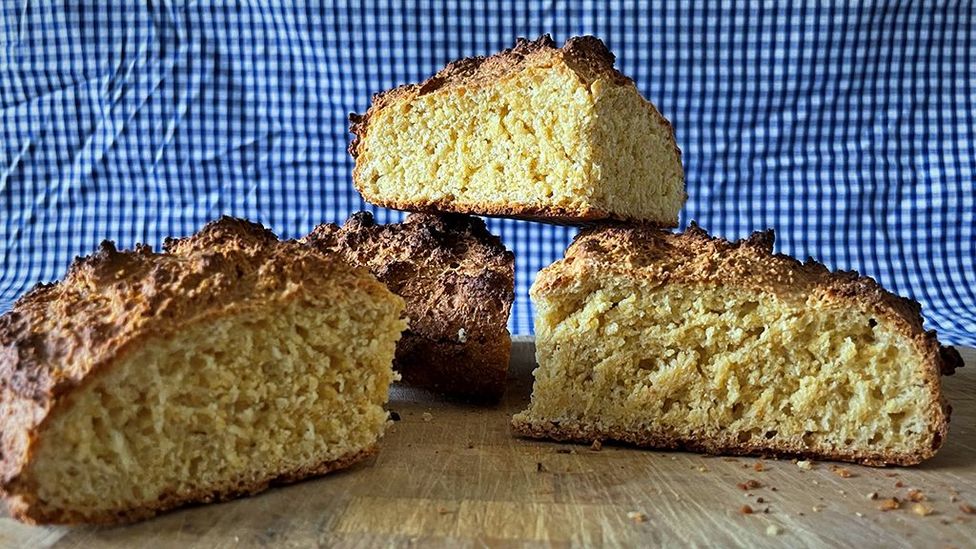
x=458, y=282
x=589, y=58
x=587, y=55
x=695, y=258
x=60, y=336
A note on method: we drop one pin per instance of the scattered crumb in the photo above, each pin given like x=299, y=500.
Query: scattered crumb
x=968, y=509
x=953, y=498
x=470, y=445
x=427, y=416
x=891, y=475
x=462, y=336
x=745, y=510
x=766, y=510
x=444, y=511
x=773, y=488
x=815, y=483
x=637, y=516
x=759, y=467
x=890, y=504
x=702, y=469
x=749, y=485
x=804, y=464
x=394, y=415
x=916, y=496
x=817, y=508
x=760, y=500
x=872, y=496
x=842, y=472
x=842, y=492
x=674, y=458
x=773, y=530
x=562, y=450
x=899, y=484
x=801, y=514
x=922, y=509
x=858, y=514
x=596, y=446
x=540, y=468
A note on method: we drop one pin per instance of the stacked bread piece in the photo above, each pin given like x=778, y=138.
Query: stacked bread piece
x=644, y=336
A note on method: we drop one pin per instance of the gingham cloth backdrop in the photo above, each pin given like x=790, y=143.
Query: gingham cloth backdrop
x=849, y=129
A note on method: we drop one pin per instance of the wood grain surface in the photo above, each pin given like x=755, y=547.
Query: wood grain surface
x=451, y=474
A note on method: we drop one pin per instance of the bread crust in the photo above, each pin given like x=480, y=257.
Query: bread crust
x=587, y=56
x=59, y=337
x=25, y=512
x=697, y=259
x=458, y=281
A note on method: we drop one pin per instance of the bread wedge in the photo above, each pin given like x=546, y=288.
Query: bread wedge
x=458, y=283
x=145, y=381
x=690, y=342
x=536, y=131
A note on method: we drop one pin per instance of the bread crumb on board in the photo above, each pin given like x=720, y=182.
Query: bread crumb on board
x=916, y=496
x=427, y=416
x=637, y=516
x=804, y=464
x=922, y=509
x=773, y=530
x=842, y=472
x=750, y=484
x=890, y=504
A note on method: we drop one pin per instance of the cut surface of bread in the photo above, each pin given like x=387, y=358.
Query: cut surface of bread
x=536, y=131
x=145, y=381
x=691, y=342
x=458, y=283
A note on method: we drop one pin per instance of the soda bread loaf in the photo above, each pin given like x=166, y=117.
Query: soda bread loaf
x=458, y=283
x=687, y=341
x=145, y=381
x=536, y=131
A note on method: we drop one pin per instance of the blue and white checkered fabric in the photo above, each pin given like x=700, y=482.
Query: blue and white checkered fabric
x=849, y=129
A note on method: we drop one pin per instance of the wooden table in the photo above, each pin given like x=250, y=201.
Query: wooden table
x=452, y=474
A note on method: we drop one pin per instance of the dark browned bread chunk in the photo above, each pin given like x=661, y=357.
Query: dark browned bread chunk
x=458, y=282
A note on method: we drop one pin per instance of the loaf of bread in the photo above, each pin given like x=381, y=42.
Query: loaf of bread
x=536, y=131
x=145, y=381
x=458, y=283
x=688, y=341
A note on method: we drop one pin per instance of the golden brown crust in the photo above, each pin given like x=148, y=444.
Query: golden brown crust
x=586, y=434
x=588, y=56
x=59, y=336
x=458, y=283
x=697, y=259
x=170, y=501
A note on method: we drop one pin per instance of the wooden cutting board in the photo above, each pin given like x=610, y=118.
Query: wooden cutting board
x=452, y=474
